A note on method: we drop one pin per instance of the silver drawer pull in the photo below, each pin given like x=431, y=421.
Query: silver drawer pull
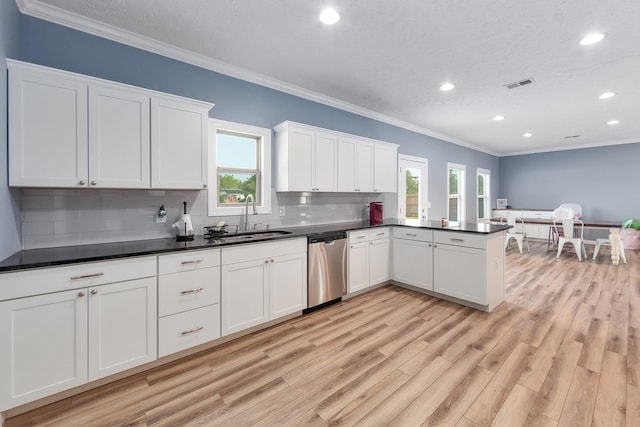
x=360, y=237
x=380, y=234
x=195, y=261
x=411, y=235
x=191, y=291
x=457, y=240
x=87, y=276
x=192, y=331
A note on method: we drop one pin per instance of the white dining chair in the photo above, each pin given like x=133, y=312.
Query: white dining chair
x=516, y=232
x=570, y=231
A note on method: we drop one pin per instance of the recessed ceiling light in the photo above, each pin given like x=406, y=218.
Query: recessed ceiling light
x=527, y=135
x=329, y=16
x=607, y=95
x=613, y=122
x=447, y=86
x=592, y=38
x=498, y=118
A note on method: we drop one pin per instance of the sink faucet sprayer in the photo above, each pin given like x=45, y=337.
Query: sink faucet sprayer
x=246, y=210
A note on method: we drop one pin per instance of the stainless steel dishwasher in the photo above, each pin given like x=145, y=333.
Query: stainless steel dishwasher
x=327, y=268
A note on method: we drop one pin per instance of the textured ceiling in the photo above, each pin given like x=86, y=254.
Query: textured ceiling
x=387, y=59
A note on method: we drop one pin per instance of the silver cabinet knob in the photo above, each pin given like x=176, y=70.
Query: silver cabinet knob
x=94, y=291
x=266, y=261
x=204, y=185
x=80, y=294
x=81, y=182
x=94, y=183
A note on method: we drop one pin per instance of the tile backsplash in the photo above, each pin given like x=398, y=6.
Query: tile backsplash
x=64, y=217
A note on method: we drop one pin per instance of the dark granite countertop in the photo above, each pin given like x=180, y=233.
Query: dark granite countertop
x=47, y=257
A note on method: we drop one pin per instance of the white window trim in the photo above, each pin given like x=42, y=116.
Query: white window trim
x=264, y=135
x=461, y=186
x=487, y=201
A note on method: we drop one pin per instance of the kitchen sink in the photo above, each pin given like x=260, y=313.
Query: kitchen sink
x=258, y=235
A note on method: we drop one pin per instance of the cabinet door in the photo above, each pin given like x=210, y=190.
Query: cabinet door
x=460, y=272
x=301, y=159
x=287, y=284
x=413, y=263
x=179, y=134
x=47, y=130
x=123, y=321
x=347, y=165
x=358, y=266
x=44, y=346
x=325, y=162
x=379, y=265
x=119, y=138
x=245, y=295
x=364, y=167
x=385, y=161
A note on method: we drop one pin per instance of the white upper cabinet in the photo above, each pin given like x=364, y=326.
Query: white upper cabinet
x=179, y=140
x=119, y=139
x=307, y=159
x=47, y=129
x=315, y=159
x=70, y=130
x=385, y=166
x=355, y=165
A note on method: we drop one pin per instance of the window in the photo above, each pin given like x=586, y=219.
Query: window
x=239, y=166
x=455, y=193
x=483, y=193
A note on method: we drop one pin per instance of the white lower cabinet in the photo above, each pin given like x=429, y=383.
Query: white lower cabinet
x=413, y=257
x=261, y=282
x=188, y=300
x=469, y=267
x=368, y=258
x=64, y=338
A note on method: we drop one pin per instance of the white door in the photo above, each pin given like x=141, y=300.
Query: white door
x=119, y=138
x=358, y=266
x=413, y=203
x=460, y=272
x=179, y=141
x=385, y=166
x=47, y=130
x=287, y=284
x=301, y=159
x=413, y=263
x=44, y=346
x=379, y=261
x=123, y=320
x=245, y=298
x=326, y=162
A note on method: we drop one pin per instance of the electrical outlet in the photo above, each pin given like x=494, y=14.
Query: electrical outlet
x=281, y=210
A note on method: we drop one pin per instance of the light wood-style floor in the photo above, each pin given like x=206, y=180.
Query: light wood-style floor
x=563, y=350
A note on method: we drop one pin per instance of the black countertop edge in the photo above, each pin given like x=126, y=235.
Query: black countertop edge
x=58, y=256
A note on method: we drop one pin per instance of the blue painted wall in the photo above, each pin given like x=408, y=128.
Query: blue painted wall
x=9, y=198
x=56, y=46
x=604, y=180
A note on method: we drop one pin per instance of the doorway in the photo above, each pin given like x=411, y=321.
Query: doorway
x=412, y=188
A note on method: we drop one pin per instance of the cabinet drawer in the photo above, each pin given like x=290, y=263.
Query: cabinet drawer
x=507, y=213
x=469, y=240
x=46, y=280
x=413, y=234
x=254, y=251
x=537, y=214
x=379, y=233
x=184, y=330
x=358, y=236
x=188, y=290
x=187, y=261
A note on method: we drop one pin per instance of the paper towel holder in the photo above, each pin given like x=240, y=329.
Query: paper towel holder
x=186, y=237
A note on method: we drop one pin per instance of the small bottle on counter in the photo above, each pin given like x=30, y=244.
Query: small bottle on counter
x=444, y=223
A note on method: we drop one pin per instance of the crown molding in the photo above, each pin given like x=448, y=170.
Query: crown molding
x=81, y=23
x=573, y=147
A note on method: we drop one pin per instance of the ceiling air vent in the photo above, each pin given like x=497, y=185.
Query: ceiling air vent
x=572, y=136
x=518, y=84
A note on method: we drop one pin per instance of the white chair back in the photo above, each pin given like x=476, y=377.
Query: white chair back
x=570, y=227
x=576, y=208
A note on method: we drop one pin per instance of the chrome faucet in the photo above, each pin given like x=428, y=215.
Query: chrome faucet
x=246, y=210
